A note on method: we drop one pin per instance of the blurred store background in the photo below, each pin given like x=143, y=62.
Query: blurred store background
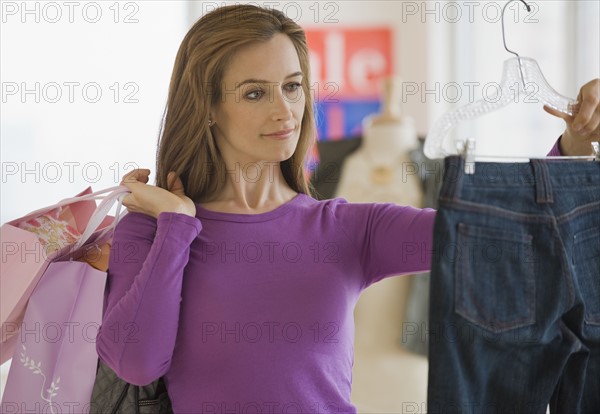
x=84, y=86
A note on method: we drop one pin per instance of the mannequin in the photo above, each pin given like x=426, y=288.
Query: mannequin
x=386, y=377
x=381, y=169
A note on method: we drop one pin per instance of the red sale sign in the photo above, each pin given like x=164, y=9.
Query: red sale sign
x=346, y=65
x=349, y=61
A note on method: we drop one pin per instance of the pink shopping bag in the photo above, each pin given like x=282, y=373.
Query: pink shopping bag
x=26, y=251
x=54, y=365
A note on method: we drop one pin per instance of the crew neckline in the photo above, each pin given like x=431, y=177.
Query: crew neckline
x=202, y=212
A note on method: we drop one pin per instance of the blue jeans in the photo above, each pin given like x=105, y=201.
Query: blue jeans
x=515, y=289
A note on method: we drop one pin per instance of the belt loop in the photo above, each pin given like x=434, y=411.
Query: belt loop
x=454, y=171
x=543, y=186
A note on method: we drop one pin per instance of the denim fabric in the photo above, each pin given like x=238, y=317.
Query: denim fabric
x=515, y=289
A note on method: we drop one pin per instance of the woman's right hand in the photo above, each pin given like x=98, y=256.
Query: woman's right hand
x=152, y=200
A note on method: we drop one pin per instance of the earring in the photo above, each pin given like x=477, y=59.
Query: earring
x=210, y=122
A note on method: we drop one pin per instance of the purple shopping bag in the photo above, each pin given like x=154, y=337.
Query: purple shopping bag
x=55, y=360
x=54, y=366
x=26, y=254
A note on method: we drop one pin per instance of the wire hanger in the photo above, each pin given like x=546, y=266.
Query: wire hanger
x=521, y=71
x=504, y=40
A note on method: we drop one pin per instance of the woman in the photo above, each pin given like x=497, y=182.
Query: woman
x=228, y=278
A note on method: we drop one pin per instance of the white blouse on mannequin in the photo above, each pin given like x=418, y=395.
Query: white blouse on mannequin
x=381, y=169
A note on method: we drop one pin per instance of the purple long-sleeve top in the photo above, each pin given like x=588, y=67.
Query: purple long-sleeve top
x=253, y=312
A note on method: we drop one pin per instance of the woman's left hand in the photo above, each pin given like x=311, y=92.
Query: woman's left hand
x=584, y=127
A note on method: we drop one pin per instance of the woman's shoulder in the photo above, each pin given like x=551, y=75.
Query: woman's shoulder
x=337, y=208
x=342, y=209
x=340, y=202
x=133, y=219
x=134, y=224
x=315, y=202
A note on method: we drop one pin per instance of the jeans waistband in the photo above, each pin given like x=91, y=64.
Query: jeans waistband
x=543, y=175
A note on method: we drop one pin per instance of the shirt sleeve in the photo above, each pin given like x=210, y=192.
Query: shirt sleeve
x=143, y=294
x=390, y=239
x=555, y=151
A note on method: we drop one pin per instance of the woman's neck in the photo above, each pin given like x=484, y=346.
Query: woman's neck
x=252, y=189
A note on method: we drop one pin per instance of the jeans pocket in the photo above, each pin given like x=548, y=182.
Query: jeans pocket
x=494, y=277
x=586, y=262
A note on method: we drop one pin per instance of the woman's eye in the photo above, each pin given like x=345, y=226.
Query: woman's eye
x=292, y=87
x=254, y=95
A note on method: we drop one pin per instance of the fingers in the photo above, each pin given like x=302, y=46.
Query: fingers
x=127, y=201
x=567, y=118
x=171, y=180
x=175, y=184
x=587, y=120
x=137, y=175
x=152, y=200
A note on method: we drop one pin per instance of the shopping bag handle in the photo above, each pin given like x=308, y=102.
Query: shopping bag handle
x=117, y=194
x=71, y=200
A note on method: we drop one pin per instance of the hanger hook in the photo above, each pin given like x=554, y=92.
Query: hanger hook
x=503, y=32
x=504, y=37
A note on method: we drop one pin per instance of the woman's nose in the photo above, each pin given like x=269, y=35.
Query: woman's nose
x=281, y=107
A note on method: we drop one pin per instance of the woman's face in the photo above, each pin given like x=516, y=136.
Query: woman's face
x=260, y=112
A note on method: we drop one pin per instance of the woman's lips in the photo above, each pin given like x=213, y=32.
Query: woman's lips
x=284, y=133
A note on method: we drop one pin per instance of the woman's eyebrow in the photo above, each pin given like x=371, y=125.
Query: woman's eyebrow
x=265, y=81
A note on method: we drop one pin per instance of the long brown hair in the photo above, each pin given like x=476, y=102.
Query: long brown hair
x=186, y=144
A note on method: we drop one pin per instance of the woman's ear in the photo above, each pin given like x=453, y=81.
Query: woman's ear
x=212, y=118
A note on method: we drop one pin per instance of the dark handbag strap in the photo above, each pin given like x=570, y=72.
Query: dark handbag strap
x=159, y=403
x=112, y=395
